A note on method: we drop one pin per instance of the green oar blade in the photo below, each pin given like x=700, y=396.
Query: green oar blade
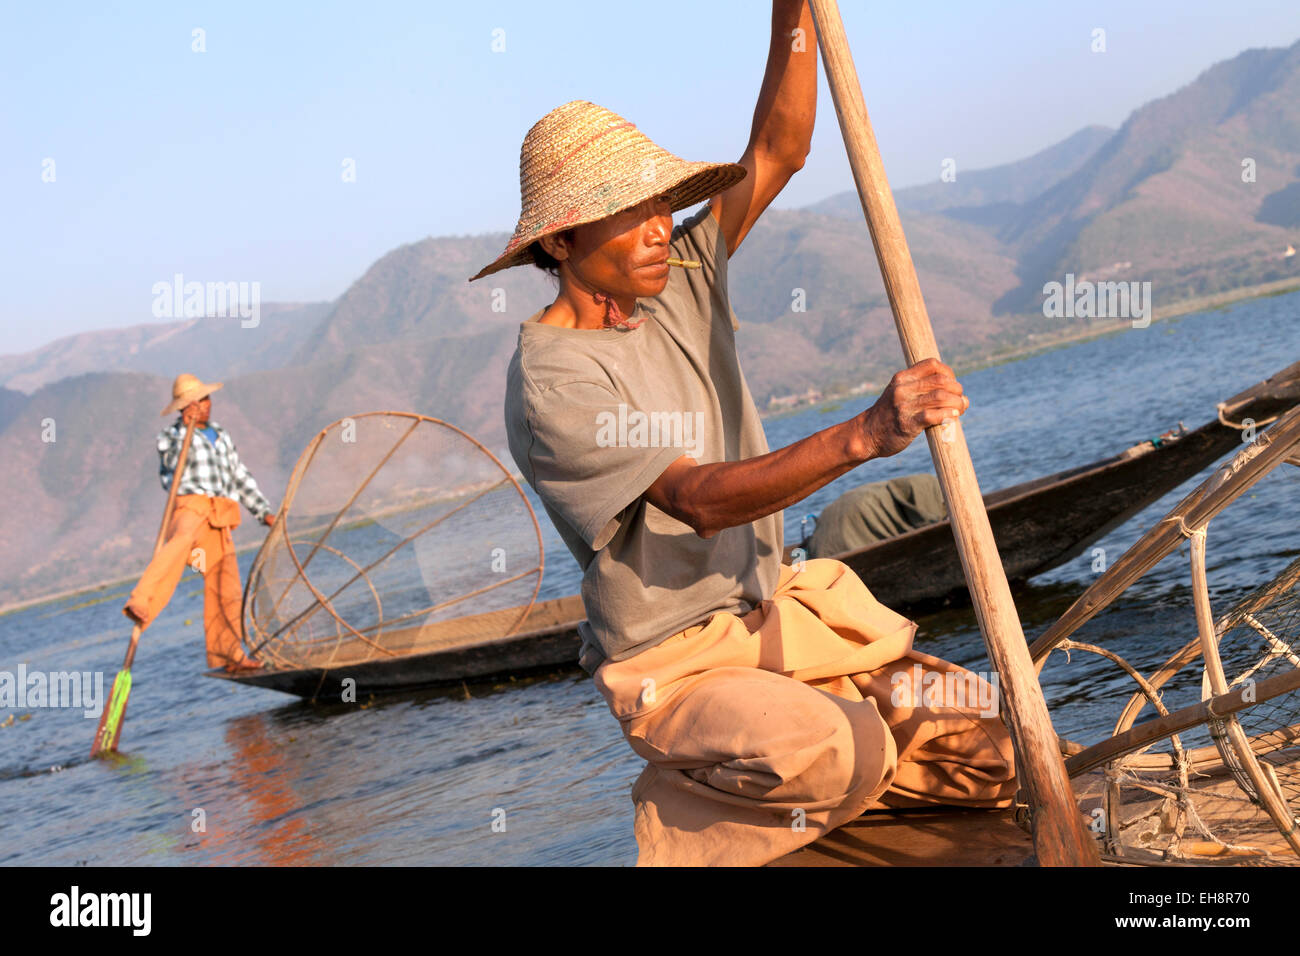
x=110, y=723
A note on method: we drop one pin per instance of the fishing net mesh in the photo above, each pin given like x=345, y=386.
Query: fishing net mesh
x=1193, y=797
x=1262, y=644
x=398, y=533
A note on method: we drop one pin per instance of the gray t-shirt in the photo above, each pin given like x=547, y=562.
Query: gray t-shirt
x=594, y=416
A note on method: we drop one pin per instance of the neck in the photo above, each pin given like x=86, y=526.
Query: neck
x=581, y=305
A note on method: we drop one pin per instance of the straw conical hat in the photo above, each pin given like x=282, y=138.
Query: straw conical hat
x=187, y=388
x=581, y=162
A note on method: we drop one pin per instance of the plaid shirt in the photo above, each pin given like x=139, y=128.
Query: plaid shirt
x=213, y=470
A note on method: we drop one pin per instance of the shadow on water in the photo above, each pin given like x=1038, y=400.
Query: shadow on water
x=300, y=711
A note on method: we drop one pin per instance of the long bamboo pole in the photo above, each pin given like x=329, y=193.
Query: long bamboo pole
x=1060, y=838
x=109, y=730
x=1266, y=792
x=1158, y=728
x=170, y=507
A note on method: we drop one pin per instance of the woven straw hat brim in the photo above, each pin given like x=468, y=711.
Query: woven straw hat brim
x=698, y=182
x=581, y=163
x=191, y=395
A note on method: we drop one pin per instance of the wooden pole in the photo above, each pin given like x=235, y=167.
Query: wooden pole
x=1175, y=722
x=109, y=729
x=1267, y=793
x=171, y=492
x=1060, y=838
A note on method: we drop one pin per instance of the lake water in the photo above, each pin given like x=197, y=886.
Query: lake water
x=420, y=778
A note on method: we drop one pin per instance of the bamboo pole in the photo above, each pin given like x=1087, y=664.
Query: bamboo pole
x=109, y=730
x=1266, y=792
x=1060, y=838
x=1158, y=728
x=170, y=507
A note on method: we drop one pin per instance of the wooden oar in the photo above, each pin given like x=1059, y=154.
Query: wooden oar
x=110, y=721
x=1060, y=838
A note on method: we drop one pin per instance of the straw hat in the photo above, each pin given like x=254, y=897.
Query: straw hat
x=581, y=162
x=187, y=388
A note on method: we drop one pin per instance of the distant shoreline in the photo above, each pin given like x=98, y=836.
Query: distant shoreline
x=1050, y=343
x=1059, y=340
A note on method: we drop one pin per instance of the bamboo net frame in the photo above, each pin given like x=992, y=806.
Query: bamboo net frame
x=1238, y=798
x=354, y=534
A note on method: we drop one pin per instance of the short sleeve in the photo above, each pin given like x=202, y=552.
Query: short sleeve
x=589, y=462
x=699, y=237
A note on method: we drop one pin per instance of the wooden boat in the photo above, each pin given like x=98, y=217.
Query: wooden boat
x=1041, y=524
x=1038, y=525
x=467, y=649
x=949, y=836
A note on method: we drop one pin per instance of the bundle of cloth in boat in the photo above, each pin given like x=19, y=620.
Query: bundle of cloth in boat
x=877, y=511
x=763, y=732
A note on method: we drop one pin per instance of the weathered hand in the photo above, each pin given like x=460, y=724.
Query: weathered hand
x=196, y=413
x=926, y=394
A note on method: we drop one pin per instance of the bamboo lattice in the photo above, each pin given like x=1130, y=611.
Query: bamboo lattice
x=397, y=532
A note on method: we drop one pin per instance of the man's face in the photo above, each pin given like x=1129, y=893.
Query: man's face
x=624, y=254
x=201, y=410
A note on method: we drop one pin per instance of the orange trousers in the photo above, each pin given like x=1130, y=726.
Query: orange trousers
x=766, y=731
x=199, y=535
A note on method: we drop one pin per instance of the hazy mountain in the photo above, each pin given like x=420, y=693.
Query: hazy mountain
x=209, y=347
x=847, y=334
x=419, y=292
x=11, y=403
x=1009, y=184
x=1191, y=194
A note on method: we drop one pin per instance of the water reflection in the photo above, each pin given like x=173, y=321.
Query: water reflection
x=262, y=768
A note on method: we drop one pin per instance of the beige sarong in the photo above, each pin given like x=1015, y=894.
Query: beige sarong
x=766, y=731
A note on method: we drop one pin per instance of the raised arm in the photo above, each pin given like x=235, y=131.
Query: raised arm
x=721, y=495
x=783, y=122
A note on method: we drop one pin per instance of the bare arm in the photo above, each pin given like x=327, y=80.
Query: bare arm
x=781, y=136
x=722, y=495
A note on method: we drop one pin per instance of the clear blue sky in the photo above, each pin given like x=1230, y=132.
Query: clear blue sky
x=225, y=165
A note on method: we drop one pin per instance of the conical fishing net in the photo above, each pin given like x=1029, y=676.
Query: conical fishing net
x=1260, y=639
x=398, y=534
x=1214, y=779
x=1204, y=795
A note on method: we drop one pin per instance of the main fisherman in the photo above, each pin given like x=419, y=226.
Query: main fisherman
x=771, y=702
